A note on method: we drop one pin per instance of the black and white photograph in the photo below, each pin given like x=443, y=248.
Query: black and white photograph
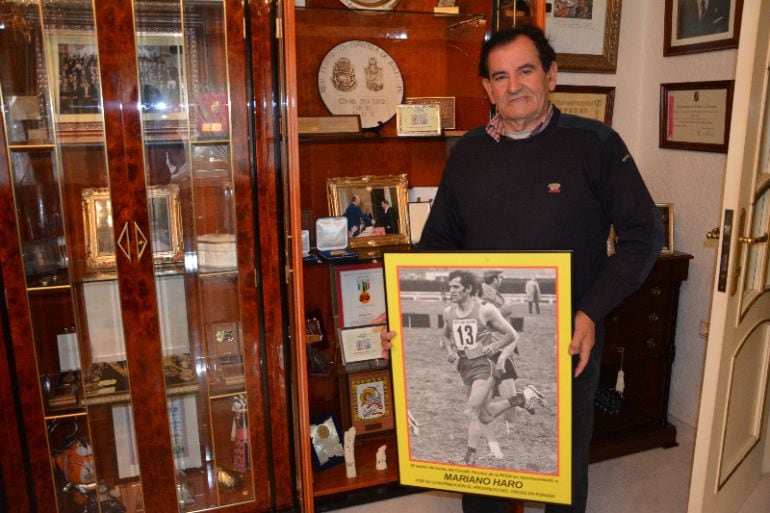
x=481, y=374
x=481, y=366
x=694, y=26
x=160, y=62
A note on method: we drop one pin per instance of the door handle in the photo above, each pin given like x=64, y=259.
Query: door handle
x=753, y=240
x=713, y=234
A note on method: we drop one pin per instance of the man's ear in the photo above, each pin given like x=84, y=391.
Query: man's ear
x=488, y=88
x=553, y=71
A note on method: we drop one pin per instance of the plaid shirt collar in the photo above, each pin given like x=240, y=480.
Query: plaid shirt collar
x=496, y=129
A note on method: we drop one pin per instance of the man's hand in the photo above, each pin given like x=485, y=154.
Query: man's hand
x=385, y=335
x=583, y=340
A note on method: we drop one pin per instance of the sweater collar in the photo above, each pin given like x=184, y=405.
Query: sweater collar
x=496, y=129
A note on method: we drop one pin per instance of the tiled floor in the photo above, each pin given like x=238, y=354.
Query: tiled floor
x=655, y=481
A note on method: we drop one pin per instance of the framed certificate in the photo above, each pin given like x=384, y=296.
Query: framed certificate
x=360, y=292
x=418, y=120
x=371, y=410
x=434, y=297
x=696, y=115
x=360, y=344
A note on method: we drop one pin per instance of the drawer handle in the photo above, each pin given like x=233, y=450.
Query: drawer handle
x=615, y=319
x=651, y=343
x=656, y=290
x=653, y=317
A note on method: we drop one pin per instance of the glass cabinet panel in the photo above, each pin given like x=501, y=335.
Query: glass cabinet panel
x=49, y=82
x=182, y=62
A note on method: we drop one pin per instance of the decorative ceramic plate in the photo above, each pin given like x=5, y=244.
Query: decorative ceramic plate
x=358, y=77
x=382, y=5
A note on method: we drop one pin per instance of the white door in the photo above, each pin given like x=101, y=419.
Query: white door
x=731, y=444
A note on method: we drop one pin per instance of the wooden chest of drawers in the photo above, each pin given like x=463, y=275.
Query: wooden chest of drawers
x=641, y=333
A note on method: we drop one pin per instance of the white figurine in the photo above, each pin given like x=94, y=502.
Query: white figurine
x=382, y=463
x=350, y=455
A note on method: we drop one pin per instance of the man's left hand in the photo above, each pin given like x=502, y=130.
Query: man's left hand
x=583, y=340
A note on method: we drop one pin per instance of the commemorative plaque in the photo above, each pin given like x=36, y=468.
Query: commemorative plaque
x=358, y=77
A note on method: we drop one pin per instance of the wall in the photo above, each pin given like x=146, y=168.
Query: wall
x=692, y=181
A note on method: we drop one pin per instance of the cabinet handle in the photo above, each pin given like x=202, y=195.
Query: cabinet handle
x=141, y=241
x=656, y=290
x=753, y=240
x=615, y=319
x=653, y=317
x=651, y=343
x=124, y=242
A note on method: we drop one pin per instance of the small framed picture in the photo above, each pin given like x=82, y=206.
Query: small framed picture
x=592, y=102
x=418, y=120
x=371, y=408
x=666, y=212
x=360, y=344
x=446, y=106
x=692, y=26
x=326, y=442
x=360, y=291
x=374, y=206
x=696, y=115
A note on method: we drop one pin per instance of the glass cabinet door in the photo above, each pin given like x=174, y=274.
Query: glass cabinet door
x=51, y=94
x=183, y=58
x=91, y=301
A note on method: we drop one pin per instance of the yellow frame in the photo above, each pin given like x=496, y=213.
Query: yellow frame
x=438, y=467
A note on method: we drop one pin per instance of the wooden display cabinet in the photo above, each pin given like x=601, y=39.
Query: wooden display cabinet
x=639, y=335
x=144, y=371
x=436, y=56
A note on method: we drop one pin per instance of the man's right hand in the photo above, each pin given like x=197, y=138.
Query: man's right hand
x=385, y=335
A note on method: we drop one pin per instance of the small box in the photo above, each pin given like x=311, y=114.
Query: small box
x=217, y=251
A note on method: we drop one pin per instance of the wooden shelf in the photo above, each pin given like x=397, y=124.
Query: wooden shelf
x=333, y=480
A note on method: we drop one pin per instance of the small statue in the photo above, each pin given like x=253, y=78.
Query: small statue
x=239, y=434
x=350, y=455
x=382, y=462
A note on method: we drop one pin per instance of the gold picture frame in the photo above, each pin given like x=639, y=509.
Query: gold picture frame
x=165, y=232
x=595, y=50
x=376, y=226
x=592, y=102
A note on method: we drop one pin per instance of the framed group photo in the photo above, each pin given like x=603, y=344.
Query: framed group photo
x=693, y=26
x=444, y=333
x=585, y=34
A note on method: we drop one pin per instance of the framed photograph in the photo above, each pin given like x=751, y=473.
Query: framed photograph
x=375, y=208
x=326, y=441
x=692, y=26
x=371, y=408
x=74, y=65
x=696, y=115
x=584, y=34
x=360, y=344
x=446, y=105
x=433, y=297
x=418, y=120
x=592, y=102
x=161, y=79
x=166, y=229
x=360, y=292
x=666, y=211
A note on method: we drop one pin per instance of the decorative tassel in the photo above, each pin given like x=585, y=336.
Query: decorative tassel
x=620, y=384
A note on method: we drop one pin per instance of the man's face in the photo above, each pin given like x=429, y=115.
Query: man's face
x=518, y=85
x=456, y=290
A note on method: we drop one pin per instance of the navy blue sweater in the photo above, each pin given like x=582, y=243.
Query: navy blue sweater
x=558, y=190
